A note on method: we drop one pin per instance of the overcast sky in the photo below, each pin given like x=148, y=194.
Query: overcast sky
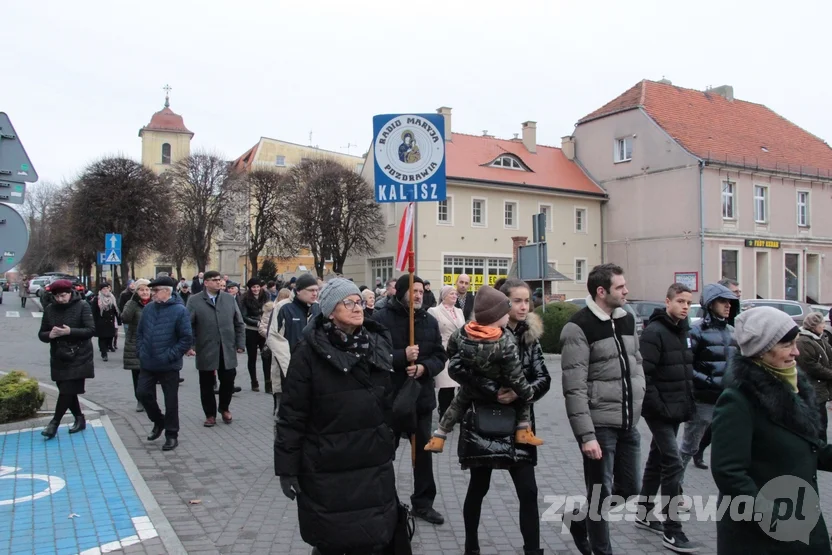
x=80, y=78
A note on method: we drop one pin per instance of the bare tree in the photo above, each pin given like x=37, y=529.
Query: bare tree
x=334, y=212
x=174, y=245
x=40, y=211
x=204, y=187
x=118, y=195
x=269, y=223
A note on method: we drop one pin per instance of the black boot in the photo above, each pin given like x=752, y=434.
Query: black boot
x=158, y=428
x=80, y=424
x=532, y=551
x=577, y=528
x=170, y=444
x=104, y=357
x=699, y=461
x=268, y=387
x=51, y=429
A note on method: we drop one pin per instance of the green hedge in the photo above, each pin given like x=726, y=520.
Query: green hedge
x=20, y=397
x=555, y=317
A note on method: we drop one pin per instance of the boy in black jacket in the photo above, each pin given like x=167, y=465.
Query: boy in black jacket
x=668, y=369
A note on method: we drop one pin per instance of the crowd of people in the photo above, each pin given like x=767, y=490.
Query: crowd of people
x=351, y=379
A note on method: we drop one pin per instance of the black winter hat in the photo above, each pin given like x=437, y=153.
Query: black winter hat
x=252, y=282
x=164, y=281
x=403, y=285
x=304, y=281
x=490, y=305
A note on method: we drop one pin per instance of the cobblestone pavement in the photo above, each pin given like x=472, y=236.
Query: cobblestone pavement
x=228, y=468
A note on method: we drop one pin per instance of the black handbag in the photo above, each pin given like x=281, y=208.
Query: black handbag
x=403, y=534
x=404, y=407
x=495, y=420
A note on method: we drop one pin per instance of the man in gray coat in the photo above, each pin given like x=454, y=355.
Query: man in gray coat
x=219, y=333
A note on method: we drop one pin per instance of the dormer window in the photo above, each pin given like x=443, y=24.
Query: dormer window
x=508, y=162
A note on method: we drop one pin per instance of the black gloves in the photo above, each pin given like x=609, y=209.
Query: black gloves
x=290, y=486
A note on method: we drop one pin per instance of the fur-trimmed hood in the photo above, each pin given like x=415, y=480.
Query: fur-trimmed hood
x=535, y=328
x=797, y=413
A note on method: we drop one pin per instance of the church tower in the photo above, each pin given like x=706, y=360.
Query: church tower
x=165, y=140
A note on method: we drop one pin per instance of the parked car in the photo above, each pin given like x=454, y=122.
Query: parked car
x=627, y=307
x=4, y=284
x=77, y=285
x=795, y=309
x=645, y=308
x=37, y=284
x=695, y=313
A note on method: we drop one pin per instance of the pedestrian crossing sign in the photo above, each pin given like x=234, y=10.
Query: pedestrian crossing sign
x=112, y=257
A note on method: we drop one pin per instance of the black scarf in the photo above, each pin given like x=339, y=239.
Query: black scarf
x=357, y=343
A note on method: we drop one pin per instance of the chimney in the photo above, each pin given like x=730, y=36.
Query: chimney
x=567, y=145
x=445, y=112
x=530, y=136
x=516, y=243
x=726, y=91
x=665, y=81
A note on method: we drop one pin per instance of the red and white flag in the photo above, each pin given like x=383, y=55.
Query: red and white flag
x=405, y=239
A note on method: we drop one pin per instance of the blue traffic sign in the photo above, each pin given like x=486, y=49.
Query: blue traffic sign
x=112, y=241
x=409, y=154
x=101, y=258
x=112, y=257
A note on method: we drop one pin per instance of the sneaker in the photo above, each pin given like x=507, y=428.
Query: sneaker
x=649, y=525
x=679, y=542
x=684, y=505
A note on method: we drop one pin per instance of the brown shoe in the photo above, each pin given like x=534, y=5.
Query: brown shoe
x=226, y=417
x=526, y=436
x=435, y=445
x=210, y=422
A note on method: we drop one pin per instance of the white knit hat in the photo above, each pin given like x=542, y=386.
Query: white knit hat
x=759, y=329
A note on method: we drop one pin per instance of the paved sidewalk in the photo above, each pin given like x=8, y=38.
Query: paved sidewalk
x=241, y=509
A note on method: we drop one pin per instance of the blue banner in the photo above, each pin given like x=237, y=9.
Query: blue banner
x=409, y=155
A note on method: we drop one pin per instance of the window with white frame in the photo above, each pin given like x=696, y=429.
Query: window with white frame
x=510, y=211
x=547, y=210
x=280, y=161
x=803, y=208
x=508, y=162
x=442, y=214
x=580, y=220
x=760, y=204
x=478, y=212
x=580, y=269
x=728, y=200
x=381, y=268
x=481, y=270
x=623, y=149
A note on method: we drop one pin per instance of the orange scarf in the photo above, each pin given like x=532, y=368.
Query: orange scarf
x=485, y=333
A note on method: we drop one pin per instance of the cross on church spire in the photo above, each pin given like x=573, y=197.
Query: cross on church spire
x=167, y=89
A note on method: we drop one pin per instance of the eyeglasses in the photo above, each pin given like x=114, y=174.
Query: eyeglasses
x=350, y=304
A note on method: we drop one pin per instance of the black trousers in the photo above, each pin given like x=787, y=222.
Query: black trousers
x=67, y=401
x=206, y=388
x=526, y=487
x=254, y=344
x=705, y=442
x=23, y=302
x=136, y=384
x=424, y=486
x=443, y=399
x=663, y=471
x=824, y=422
x=104, y=344
x=146, y=392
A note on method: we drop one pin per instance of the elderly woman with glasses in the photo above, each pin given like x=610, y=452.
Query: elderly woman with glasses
x=815, y=359
x=334, y=446
x=67, y=325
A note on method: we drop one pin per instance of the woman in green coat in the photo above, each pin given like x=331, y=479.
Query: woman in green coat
x=816, y=360
x=766, y=426
x=132, y=315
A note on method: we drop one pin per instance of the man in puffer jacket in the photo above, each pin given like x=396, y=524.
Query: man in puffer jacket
x=713, y=346
x=603, y=385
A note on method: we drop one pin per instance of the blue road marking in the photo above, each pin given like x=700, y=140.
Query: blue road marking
x=68, y=495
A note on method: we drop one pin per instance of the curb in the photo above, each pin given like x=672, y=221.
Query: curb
x=40, y=422
x=173, y=546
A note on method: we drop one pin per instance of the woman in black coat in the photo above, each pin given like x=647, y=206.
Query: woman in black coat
x=334, y=446
x=251, y=308
x=766, y=427
x=482, y=455
x=106, y=317
x=67, y=326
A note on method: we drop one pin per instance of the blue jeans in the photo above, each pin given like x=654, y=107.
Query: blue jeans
x=616, y=473
x=693, y=432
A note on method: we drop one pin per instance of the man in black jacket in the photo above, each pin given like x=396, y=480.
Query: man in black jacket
x=430, y=299
x=422, y=362
x=198, y=283
x=464, y=298
x=668, y=401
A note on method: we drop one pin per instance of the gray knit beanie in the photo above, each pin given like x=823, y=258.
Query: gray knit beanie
x=336, y=290
x=759, y=329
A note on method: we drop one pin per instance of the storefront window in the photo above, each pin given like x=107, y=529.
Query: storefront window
x=481, y=270
x=792, y=277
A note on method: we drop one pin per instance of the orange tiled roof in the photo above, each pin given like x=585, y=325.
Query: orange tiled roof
x=470, y=156
x=243, y=163
x=166, y=120
x=714, y=128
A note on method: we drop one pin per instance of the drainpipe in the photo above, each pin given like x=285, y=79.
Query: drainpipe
x=603, y=205
x=701, y=226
